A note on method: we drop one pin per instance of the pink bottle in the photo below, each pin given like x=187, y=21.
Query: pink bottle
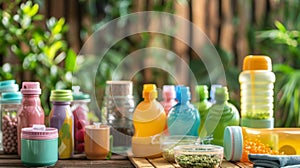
x=31, y=111
x=169, y=96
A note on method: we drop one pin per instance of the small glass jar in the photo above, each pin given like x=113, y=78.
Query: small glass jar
x=39, y=146
x=10, y=104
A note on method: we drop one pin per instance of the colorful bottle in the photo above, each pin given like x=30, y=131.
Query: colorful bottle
x=149, y=120
x=80, y=111
x=212, y=92
x=31, y=111
x=6, y=86
x=203, y=105
x=10, y=105
x=241, y=141
x=169, y=95
x=257, y=84
x=61, y=118
x=183, y=118
x=220, y=115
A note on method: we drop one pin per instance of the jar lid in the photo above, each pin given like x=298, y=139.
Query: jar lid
x=39, y=132
x=61, y=95
x=11, y=98
x=149, y=91
x=257, y=62
x=233, y=143
x=78, y=95
x=169, y=91
x=31, y=88
x=9, y=86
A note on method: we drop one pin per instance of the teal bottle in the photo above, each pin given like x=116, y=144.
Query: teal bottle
x=220, y=115
x=183, y=118
x=203, y=104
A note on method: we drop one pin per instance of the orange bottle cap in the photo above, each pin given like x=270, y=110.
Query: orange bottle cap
x=149, y=91
x=257, y=62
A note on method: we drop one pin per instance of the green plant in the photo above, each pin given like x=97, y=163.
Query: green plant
x=42, y=51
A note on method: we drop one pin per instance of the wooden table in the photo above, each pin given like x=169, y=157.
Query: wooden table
x=117, y=161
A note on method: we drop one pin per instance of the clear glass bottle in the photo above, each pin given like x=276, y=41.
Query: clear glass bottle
x=220, y=115
x=118, y=108
x=241, y=141
x=257, y=84
x=31, y=111
x=61, y=118
x=183, y=118
x=10, y=104
x=80, y=109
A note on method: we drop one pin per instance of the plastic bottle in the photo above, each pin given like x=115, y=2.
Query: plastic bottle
x=31, y=111
x=203, y=105
x=118, y=109
x=149, y=120
x=61, y=118
x=10, y=105
x=169, y=95
x=221, y=115
x=212, y=92
x=257, y=83
x=183, y=118
x=80, y=111
x=6, y=86
x=241, y=141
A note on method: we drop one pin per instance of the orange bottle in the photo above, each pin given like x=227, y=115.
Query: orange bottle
x=149, y=120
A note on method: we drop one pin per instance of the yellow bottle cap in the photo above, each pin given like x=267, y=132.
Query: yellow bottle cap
x=257, y=62
x=149, y=91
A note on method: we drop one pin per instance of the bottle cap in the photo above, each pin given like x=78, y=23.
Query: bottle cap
x=9, y=86
x=61, y=95
x=257, y=62
x=39, y=132
x=233, y=143
x=212, y=92
x=183, y=94
x=202, y=91
x=149, y=91
x=169, y=92
x=11, y=98
x=221, y=94
x=31, y=88
x=78, y=95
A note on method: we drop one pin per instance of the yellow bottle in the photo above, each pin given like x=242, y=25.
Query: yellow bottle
x=149, y=120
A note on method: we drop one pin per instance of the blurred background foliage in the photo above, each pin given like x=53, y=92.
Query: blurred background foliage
x=37, y=46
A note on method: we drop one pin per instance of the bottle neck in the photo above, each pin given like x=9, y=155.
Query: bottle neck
x=222, y=102
x=58, y=103
x=31, y=100
x=147, y=99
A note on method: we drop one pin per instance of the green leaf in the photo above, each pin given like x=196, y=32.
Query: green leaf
x=70, y=61
x=34, y=10
x=280, y=26
x=58, y=26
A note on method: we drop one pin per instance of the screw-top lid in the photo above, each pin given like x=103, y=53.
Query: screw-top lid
x=11, y=98
x=39, y=132
x=257, y=62
x=61, y=95
x=169, y=92
x=78, y=95
x=149, y=91
x=221, y=94
x=9, y=86
x=31, y=88
x=202, y=91
x=233, y=143
x=183, y=94
x=118, y=88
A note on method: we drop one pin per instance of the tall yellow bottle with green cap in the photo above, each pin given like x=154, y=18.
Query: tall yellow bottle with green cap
x=149, y=120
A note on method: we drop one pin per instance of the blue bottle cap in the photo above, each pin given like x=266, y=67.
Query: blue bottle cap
x=9, y=86
x=11, y=98
x=233, y=143
x=183, y=94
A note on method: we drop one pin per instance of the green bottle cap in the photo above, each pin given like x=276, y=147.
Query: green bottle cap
x=61, y=95
x=202, y=91
x=221, y=94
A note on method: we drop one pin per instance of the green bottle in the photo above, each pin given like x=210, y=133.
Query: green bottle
x=203, y=105
x=220, y=115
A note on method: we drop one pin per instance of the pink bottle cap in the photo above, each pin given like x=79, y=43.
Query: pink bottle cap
x=39, y=132
x=169, y=91
x=31, y=88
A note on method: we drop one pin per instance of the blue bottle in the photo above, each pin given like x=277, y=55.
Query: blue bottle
x=183, y=118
